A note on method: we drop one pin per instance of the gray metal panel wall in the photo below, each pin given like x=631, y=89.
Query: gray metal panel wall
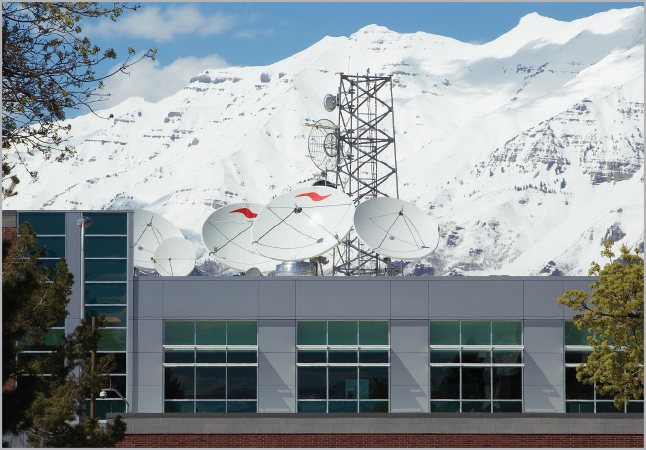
x=476, y=298
x=73, y=258
x=276, y=366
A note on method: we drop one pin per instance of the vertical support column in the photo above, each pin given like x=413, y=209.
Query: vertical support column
x=409, y=367
x=276, y=366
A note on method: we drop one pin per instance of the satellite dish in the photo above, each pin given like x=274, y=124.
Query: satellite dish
x=323, y=144
x=149, y=231
x=395, y=228
x=329, y=102
x=226, y=233
x=303, y=223
x=253, y=272
x=174, y=257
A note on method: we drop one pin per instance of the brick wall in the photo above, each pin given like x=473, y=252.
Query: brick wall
x=384, y=440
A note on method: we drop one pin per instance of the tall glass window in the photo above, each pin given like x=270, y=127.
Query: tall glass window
x=476, y=366
x=210, y=366
x=343, y=366
x=579, y=397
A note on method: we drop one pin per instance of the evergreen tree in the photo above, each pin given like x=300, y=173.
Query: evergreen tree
x=50, y=387
x=615, y=314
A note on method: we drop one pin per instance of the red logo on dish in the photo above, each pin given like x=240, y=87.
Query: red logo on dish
x=314, y=196
x=246, y=212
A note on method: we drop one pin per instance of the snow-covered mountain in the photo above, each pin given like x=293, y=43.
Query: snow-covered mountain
x=527, y=151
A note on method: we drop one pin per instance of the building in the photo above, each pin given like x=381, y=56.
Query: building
x=332, y=361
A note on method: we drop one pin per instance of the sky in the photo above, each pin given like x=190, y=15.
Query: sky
x=193, y=37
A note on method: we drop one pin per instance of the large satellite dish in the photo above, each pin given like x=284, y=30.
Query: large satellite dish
x=303, y=223
x=174, y=257
x=149, y=231
x=226, y=233
x=323, y=144
x=395, y=228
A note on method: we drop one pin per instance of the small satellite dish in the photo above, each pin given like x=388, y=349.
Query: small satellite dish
x=149, y=231
x=226, y=233
x=303, y=223
x=329, y=102
x=323, y=144
x=174, y=257
x=395, y=228
x=253, y=272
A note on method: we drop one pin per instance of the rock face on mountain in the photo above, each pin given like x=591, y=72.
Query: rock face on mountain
x=527, y=151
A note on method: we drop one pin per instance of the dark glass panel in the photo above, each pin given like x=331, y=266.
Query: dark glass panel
x=342, y=383
x=117, y=382
x=572, y=357
x=507, y=383
x=476, y=383
x=179, y=333
x=373, y=333
x=179, y=356
x=241, y=407
x=476, y=357
x=476, y=407
x=342, y=356
x=104, y=293
x=445, y=356
x=444, y=333
x=342, y=333
x=608, y=407
x=211, y=333
x=241, y=382
x=210, y=407
x=312, y=382
x=508, y=407
x=104, y=407
x=311, y=333
x=635, y=407
x=342, y=407
x=106, y=247
x=106, y=269
x=44, y=222
x=116, y=315
x=373, y=356
x=476, y=333
x=179, y=407
x=574, y=389
x=112, y=340
x=311, y=407
x=210, y=382
x=242, y=333
x=119, y=361
x=574, y=336
x=242, y=356
x=506, y=333
x=50, y=266
x=579, y=407
x=373, y=407
x=507, y=356
x=211, y=356
x=179, y=383
x=377, y=382
x=308, y=356
x=107, y=223
x=442, y=407
x=445, y=382
x=54, y=246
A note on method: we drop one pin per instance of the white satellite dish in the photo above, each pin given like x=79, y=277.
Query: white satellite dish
x=174, y=257
x=226, y=234
x=395, y=228
x=329, y=102
x=149, y=231
x=303, y=223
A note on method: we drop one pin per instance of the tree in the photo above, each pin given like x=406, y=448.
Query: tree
x=50, y=387
x=48, y=66
x=615, y=314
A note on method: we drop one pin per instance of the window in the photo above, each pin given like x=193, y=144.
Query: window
x=476, y=366
x=210, y=366
x=579, y=397
x=342, y=366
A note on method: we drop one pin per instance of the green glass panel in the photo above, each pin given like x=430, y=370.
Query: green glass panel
x=242, y=356
x=112, y=340
x=210, y=407
x=242, y=382
x=635, y=407
x=54, y=337
x=342, y=333
x=118, y=361
x=608, y=407
x=373, y=383
x=44, y=222
x=476, y=333
x=373, y=333
x=54, y=246
x=311, y=333
x=116, y=315
x=179, y=407
x=179, y=356
x=442, y=407
x=373, y=356
x=579, y=407
x=50, y=267
x=507, y=356
x=241, y=407
x=211, y=357
x=342, y=407
x=476, y=357
x=311, y=407
x=476, y=383
x=508, y=407
x=506, y=333
x=179, y=333
x=373, y=407
x=210, y=382
x=106, y=293
x=242, y=333
x=179, y=383
x=574, y=336
x=103, y=407
x=106, y=247
x=507, y=383
x=309, y=357
x=211, y=333
x=476, y=407
x=107, y=223
x=445, y=333
x=445, y=382
x=106, y=269
x=574, y=389
x=342, y=357
x=312, y=382
x=445, y=356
